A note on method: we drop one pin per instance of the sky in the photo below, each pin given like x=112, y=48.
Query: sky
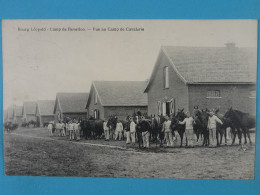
x=37, y=64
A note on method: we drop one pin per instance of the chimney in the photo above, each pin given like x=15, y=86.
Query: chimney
x=230, y=45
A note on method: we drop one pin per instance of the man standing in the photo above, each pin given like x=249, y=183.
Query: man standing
x=119, y=130
x=189, y=121
x=76, y=130
x=127, y=129
x=167, y=131
x=50, y=126
x=106, y=130
x=212, y=126
x=132, y=130
x=63, y=134
x=70, y=128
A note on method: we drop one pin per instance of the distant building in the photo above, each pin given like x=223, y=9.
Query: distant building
x=29, y=111
x=208, y=77
x=120, y=98
x=70, y=105
x=44, y=111
x=18, y=115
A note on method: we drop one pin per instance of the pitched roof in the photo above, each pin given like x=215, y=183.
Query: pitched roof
x=121, y=93
x=72, y=102
x=18, y=110
x=229, y=64
x=29, y=107
x=45, y=107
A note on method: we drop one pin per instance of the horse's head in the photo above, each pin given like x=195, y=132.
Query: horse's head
x=229, y=113
x=180, y=115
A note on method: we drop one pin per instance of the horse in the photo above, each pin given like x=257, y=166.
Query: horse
x=241, y=121
x=111, y=124
x=201, y=125
x=10, y=126
x=221, y=130
x=175, y=126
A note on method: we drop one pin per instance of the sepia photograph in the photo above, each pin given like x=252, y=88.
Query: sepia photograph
x=139, y=98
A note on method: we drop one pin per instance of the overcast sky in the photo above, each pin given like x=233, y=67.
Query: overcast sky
x=37, y=65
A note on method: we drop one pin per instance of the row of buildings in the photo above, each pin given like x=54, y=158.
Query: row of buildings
x=182, y=77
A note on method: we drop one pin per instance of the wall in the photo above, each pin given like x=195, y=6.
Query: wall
x=234, y=95
x=45, y=119
x=123, y=111
x=30, y=117
x=76, y=116
x=92, y=106
x=177, y=89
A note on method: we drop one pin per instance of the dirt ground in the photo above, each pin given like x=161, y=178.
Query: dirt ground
x=32, y=152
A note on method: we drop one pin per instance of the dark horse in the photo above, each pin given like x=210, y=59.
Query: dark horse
x=201, y=125
x=111, y=124
x=92, y=129
x=175, y=126
x=240, y=121
x=221, y=129
x=143, y=124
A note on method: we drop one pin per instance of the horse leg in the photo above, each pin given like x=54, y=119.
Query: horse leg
x=225, y=135
x=217, y=133
x=239, y=135
x=244, y=132
x=248, y=135
x=181, y=135
x=234, y=137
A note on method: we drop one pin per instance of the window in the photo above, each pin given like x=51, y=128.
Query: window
x=96, y=114
x=166, y=77
x=95, y=97
x=213, y=94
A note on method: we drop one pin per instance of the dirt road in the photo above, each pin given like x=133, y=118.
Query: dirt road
x=32, y=152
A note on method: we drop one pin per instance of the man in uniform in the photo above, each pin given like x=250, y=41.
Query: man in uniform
x=119, y=130
x=106, y=130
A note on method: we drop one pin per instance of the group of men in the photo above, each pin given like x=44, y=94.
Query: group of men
x=189, y=131
x=71, y=128
x=128, y=132
x=169, y=137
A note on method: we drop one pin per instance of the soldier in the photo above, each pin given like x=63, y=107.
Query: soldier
x=71, y=131
x=189, y=133
x=106, y=130
x=50, y=126
x=76, y=130
x=167, y=131
x=127, y=129
x=212, y=127
x=62, y=125
x=132, y=130
x=119, y=130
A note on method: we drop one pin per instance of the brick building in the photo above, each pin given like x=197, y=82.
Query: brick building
x=210, y=77
x=121, y=98
x=29, y=110
x=44, y=111
x=70, y=105
x=18, y=115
